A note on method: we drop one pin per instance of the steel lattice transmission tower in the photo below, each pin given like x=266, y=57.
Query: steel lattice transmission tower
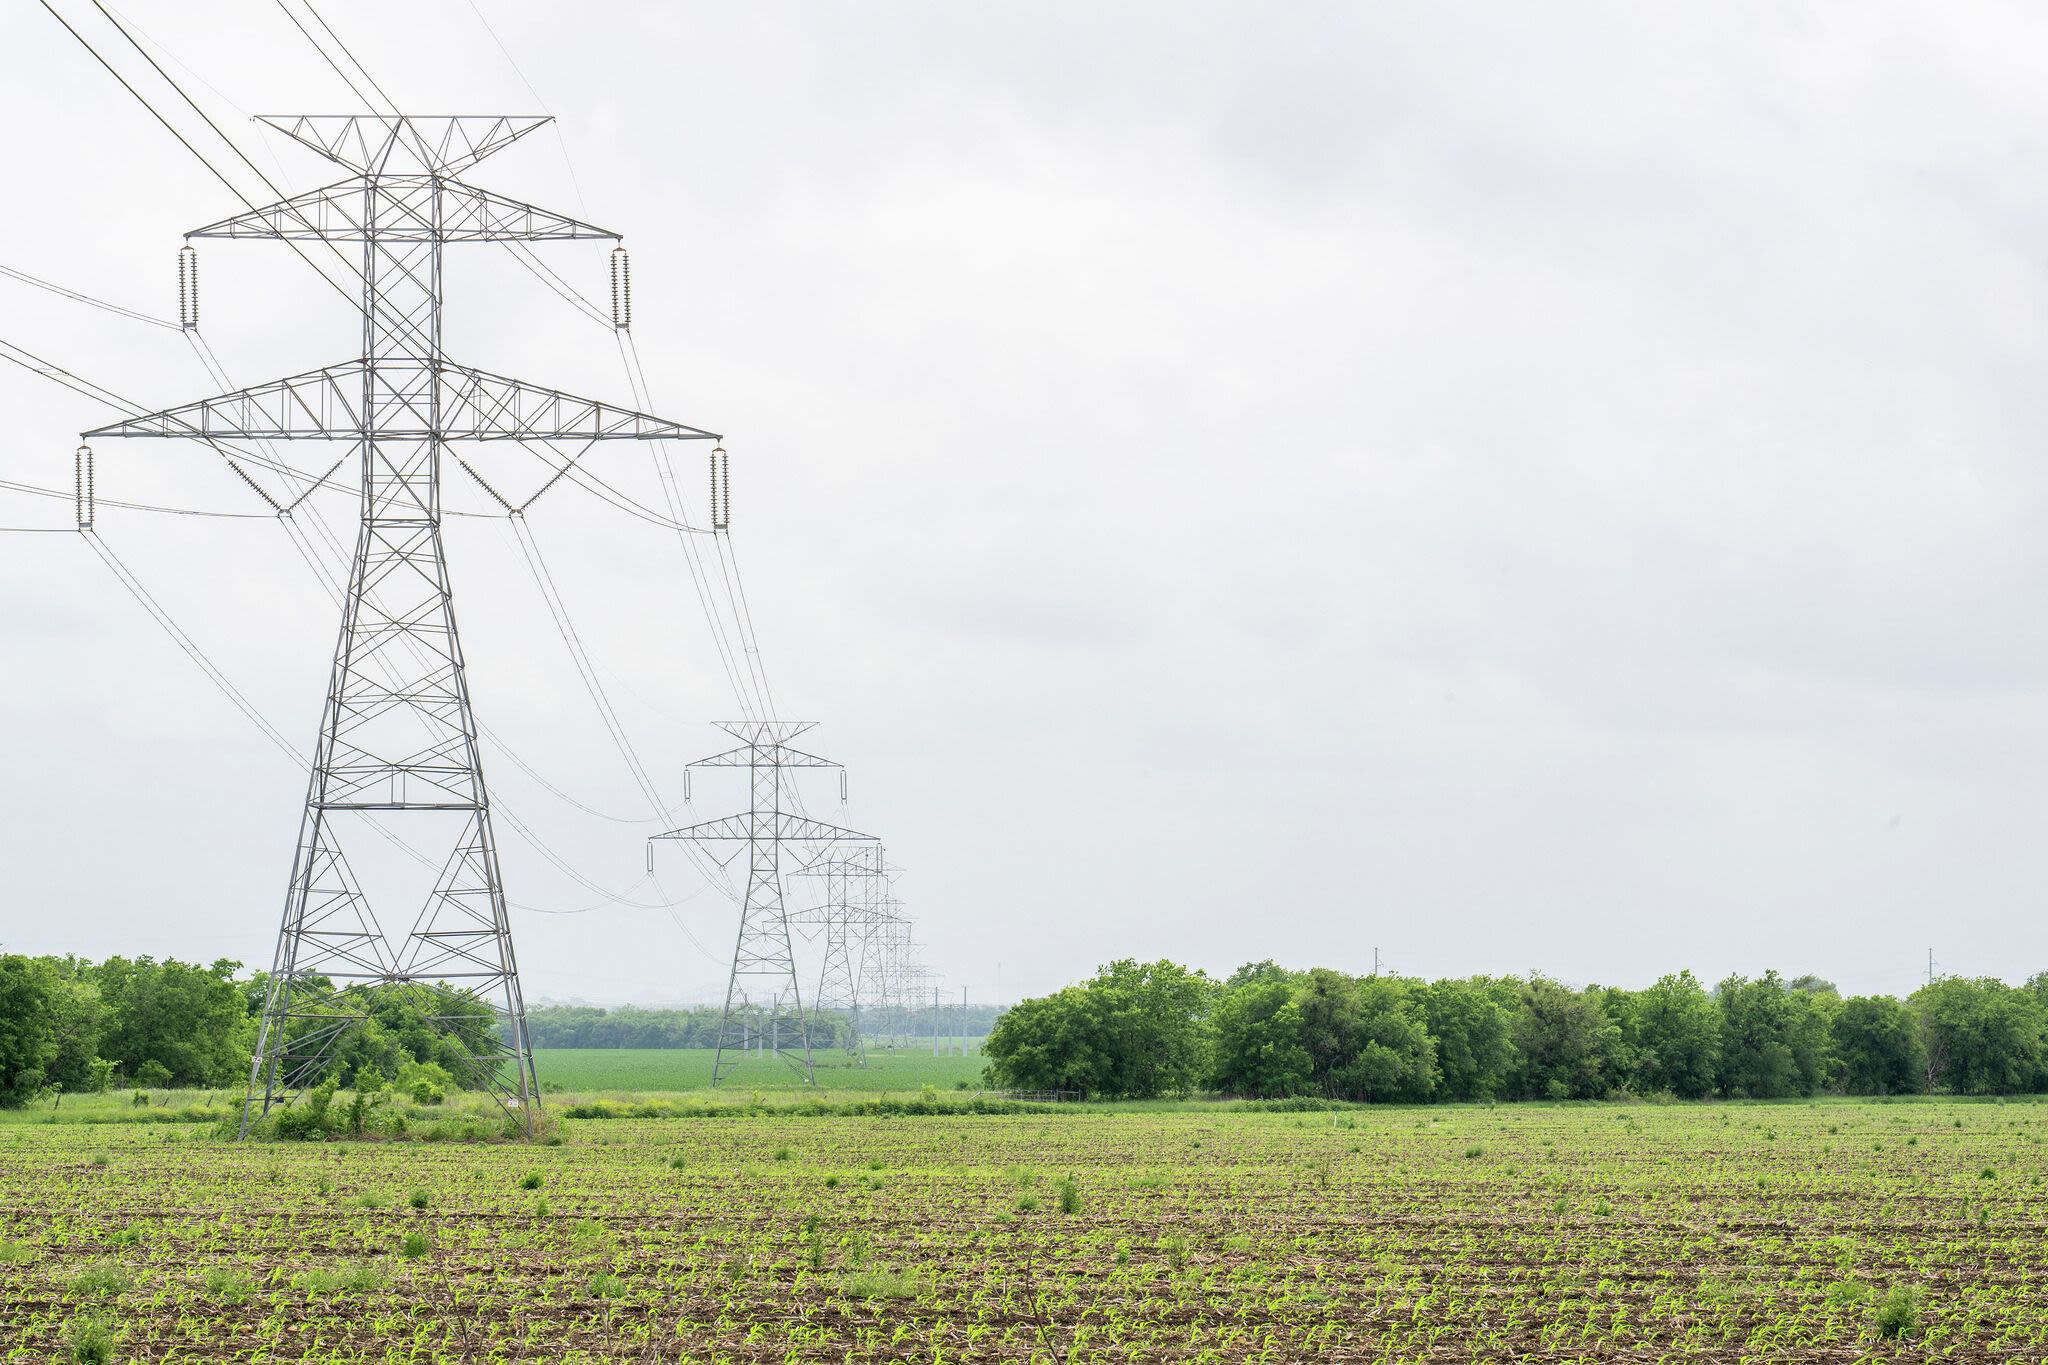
x=763, y=957
x=848, y=918
x=396, y=784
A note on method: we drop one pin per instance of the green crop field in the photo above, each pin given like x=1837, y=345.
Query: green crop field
x=1836, y=1231
x=689, y=1069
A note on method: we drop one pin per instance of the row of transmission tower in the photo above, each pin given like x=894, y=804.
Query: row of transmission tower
x=396, y=826
x=868, y=973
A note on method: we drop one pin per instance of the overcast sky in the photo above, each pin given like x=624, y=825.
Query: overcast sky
x=1520, y=488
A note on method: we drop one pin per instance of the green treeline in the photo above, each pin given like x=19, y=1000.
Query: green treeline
x=1139, y=1030
x=68, y=1025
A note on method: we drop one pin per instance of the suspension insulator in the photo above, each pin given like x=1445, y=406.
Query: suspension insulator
x=721, y=490
x=622, y=289
x=81, y=473
x=188, y=287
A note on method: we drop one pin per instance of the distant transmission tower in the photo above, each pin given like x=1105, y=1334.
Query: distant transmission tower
x=848, y=917
x=763, y=961
x=396, y=785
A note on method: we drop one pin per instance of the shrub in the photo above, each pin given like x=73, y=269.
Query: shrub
x=1070, y=1196
x=1474, y=1152
x=530, y=1182
x=360, y=1115
x=1897, y=1313
x=1027, y=1203
x=413, y=1245
x=419, y=1199
x=88, y=1341
x=425, y=1082
x=607, y=1286
x=310, y=1121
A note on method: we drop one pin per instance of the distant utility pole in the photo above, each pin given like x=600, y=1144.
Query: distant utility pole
x=395, y=774
x=763, y=954
x=1930, y=966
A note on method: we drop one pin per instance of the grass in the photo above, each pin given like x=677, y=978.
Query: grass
x=356, y=1279
x=882, y=1284
x=230, y=1285
x=102, y=1280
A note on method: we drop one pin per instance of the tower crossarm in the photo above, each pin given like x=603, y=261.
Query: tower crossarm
x=788, y=828
x=440, y=144
x=765, y=755
x=416, y=400
x=403, y=208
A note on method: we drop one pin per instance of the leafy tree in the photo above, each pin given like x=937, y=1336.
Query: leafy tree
x=1138, y=1030
x=1156, y=1017
x=1981, y=1036
x=1331, y=1029
x=1774, y=1041
x=1395, y=1057
x=1256, y=1037
x=1563, y=1039
x=78, y=1024
x=1051, y=1042
x=27, y=1045
x=1876, y=1043
x=1365, y=1037
x=1257, y=973
x=193, y=1021
x=1674, y=1037
x=1474, y=1055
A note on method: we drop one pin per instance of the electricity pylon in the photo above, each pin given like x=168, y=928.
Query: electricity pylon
x=763, y=954
x=395, y=774
x=847, y=917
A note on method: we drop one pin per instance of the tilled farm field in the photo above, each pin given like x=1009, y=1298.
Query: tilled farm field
x=1679, y=1233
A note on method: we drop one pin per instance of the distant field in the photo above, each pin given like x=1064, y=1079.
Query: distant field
x=586, y=1069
